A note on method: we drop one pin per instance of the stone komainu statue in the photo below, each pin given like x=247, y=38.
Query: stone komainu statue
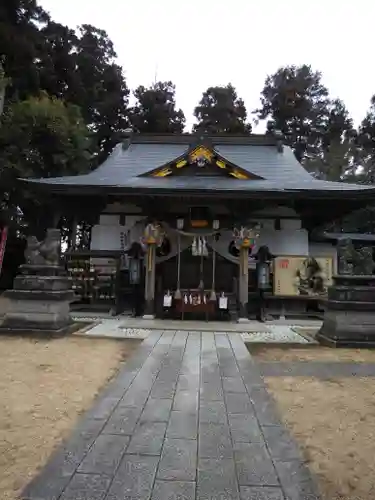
x=354, y=262
x=46, y=252
x=364, y=263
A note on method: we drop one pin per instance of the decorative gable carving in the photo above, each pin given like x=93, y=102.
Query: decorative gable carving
x=202, y=161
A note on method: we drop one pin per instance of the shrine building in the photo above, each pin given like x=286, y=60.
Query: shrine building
x=180, y=220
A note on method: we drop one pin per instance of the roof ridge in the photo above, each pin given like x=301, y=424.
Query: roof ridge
x=187, y=138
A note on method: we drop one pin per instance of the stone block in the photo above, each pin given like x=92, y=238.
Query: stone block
x=349, y=320
x=122, y=421
x=211, y=391
x=105, y=455
x=134, y=478
x=217, y=479
x=157, y=410
x=182, y=425
x=214, y=441
x=233, y=384
x=178, y=460
x=86, y=487
x=245, y=428
x=148, y=438
x=261, y=493
x=39, y=301
x=173, y=490
x=238, y=403
x=213, y=412
x=254, y=465
x=186, y=401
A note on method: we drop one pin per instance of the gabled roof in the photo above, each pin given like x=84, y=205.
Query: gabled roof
x=273, y=166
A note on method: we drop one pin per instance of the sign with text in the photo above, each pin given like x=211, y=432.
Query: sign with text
x=299, y=276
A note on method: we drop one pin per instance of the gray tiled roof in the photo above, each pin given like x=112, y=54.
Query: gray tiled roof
x=265, y=161
x=280, y=170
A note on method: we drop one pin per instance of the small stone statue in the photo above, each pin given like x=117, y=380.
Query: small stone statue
x=364, y=263
x=46, y=252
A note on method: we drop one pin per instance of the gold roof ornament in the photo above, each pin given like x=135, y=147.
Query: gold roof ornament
x=164, y=172
x=201, y=156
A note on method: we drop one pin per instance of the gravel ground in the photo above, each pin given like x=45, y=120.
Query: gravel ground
x=44, y=386
x=334, y=423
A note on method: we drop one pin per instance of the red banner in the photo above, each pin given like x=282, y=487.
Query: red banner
x=3, y=242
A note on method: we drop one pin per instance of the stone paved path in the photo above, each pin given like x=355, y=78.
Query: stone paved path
x=319, y=369
x=187, y=418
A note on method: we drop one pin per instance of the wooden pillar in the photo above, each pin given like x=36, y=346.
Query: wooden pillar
x=56, y=219
x=150, y=283
x=243, y=283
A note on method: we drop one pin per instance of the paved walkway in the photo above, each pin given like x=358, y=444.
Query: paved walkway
x=187, y=418
x=253, y=331
x=319, y=369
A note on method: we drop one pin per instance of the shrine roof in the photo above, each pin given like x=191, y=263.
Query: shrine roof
x=273, y=166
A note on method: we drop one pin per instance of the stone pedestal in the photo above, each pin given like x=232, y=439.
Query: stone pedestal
x=39, y=302
x=349, y=320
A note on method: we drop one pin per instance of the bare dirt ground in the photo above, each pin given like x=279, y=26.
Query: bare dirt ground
x=318, y=353
x=44, y=386
x=334, y=423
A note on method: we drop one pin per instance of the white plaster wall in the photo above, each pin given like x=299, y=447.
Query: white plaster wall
x=275, y=211
x=290, y=239
x=285, y=241
x=105, y=237
x=107, y=234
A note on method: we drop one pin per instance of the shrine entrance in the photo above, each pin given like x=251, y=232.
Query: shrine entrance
x=199, y=284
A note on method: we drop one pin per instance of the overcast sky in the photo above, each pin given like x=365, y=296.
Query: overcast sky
x=212, y=42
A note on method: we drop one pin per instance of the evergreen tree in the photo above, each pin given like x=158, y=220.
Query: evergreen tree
x=295, y=102
x=366, y=146
x=221, y=111
x=102, y=93
x=155, y=110
x=336, y=152
x=39, y=137
x=42, y=55
x=20, y=41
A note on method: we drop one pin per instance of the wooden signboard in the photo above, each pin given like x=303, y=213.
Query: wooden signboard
x=302, y=276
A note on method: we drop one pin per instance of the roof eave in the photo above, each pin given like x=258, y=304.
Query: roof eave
x=69, y=189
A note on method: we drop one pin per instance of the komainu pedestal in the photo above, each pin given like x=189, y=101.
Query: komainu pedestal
x=40, y=299
x=349, y=320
